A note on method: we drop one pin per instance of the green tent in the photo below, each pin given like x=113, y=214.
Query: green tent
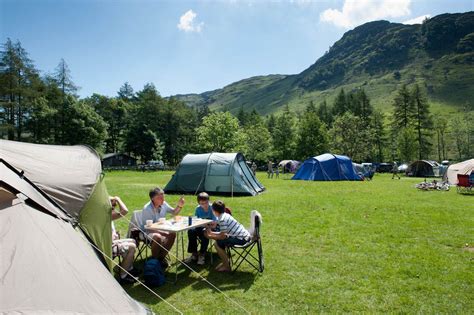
x=219, y=173
x=72, y=177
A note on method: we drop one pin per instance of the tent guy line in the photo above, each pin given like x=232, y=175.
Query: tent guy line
x=191, y=269
x=138, y=280
x=105, y=255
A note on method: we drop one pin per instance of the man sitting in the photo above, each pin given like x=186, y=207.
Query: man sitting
x=124, y=247
x=203, y=211
x=230, y=233
x=154, y=210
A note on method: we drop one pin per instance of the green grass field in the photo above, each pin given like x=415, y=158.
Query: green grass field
x=378, y=246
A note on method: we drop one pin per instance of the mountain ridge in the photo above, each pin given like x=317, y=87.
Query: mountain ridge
x=378, y=56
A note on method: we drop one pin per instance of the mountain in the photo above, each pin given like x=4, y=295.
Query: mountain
x=377, y=56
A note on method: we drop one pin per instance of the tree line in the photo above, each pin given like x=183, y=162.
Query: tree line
x=46, y=109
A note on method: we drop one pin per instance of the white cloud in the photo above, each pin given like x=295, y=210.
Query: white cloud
x=187, y=23
x=356, y=12
x=418, y=20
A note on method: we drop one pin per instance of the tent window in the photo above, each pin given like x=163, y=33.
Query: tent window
x=219, y=170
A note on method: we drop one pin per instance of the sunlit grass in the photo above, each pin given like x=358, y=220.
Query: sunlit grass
x=379, y=246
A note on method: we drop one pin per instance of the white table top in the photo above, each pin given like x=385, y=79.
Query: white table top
x=182, y=225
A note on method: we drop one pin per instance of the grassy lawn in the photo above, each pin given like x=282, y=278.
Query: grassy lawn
x=379, y=246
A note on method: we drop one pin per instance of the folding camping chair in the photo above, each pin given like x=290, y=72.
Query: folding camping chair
x=244, y=252
x=464, y=185
x=134, y=232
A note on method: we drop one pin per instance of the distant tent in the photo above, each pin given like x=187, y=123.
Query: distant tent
x=289, y=166
x=327, y=167
x=403, y=168
x=72, y=177
x=46, y=266
x=220, y=173
x=423, y=168
x=465, y=167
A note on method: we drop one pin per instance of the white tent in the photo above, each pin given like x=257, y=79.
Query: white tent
x=46, y=266
x=451, y=175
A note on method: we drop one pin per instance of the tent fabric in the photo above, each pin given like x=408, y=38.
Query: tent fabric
x=327, y=167
x=67, y=173
x=220, y=173
x=39, y=252
x=423, y=168
x=463, y=168
x=70, y=175
x=289, y=166
x=10, y=178
x=42, y=250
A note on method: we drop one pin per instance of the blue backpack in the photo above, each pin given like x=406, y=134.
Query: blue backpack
x=153, y=273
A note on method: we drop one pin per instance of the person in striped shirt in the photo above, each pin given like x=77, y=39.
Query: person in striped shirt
x=230, y=233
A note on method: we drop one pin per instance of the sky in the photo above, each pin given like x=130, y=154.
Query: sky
x=191, y=46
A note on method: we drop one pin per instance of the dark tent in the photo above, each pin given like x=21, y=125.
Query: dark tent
x=221, y=173
x=327, y=167
x=423, y=168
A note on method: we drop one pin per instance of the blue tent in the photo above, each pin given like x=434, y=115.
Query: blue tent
x=327, y=167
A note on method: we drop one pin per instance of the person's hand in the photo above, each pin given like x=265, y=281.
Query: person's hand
x=213, y=224
x=181, y=202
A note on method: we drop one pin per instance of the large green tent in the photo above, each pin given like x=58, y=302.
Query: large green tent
x=72, y=177
x=219, y=173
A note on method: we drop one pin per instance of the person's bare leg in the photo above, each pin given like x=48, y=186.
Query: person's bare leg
x=156, y=246
x=225, y=260
x=127, y=262
x=167, y=241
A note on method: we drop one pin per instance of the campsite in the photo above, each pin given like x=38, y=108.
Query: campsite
x=236, y=157
x=371, y=246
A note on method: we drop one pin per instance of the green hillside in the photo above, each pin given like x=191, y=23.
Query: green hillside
x=377, y=56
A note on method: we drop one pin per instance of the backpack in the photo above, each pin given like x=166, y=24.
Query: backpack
x=153, y=273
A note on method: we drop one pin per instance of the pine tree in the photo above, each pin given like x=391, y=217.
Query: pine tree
x=125, y=92
x=423, y=122
x=340, y=104
x=365, y=108
x=441, y=127
x=378, y=135
x=404, y=109
x=284, y=135
x=18, y=87
x=324, y=113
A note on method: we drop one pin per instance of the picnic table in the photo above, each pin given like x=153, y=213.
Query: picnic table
x=178, y=225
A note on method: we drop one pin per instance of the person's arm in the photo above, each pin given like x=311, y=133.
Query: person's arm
x=215, y=235
x=123, y=210
x=178, y=208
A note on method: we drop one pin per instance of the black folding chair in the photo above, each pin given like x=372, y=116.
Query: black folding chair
x=240, y=253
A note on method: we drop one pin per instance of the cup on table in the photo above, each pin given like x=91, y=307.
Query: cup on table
x=161, y=220
x=149, y=223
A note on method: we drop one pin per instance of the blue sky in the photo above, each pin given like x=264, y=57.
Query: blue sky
x=191, y=46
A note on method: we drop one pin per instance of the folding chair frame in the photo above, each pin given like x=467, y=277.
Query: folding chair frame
x=244, y=252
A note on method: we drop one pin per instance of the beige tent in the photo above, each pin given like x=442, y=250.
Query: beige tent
x=72, y=177
x=451, y=175
x=46, y=266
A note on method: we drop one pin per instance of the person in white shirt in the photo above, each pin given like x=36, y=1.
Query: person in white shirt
x=231, y=233
x=124, y=247
x=154, y=210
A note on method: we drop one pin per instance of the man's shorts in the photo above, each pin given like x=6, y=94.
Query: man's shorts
x=121, y=246
x=230, y=241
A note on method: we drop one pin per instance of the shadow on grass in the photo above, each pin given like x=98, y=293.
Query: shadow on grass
x=224, y=281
